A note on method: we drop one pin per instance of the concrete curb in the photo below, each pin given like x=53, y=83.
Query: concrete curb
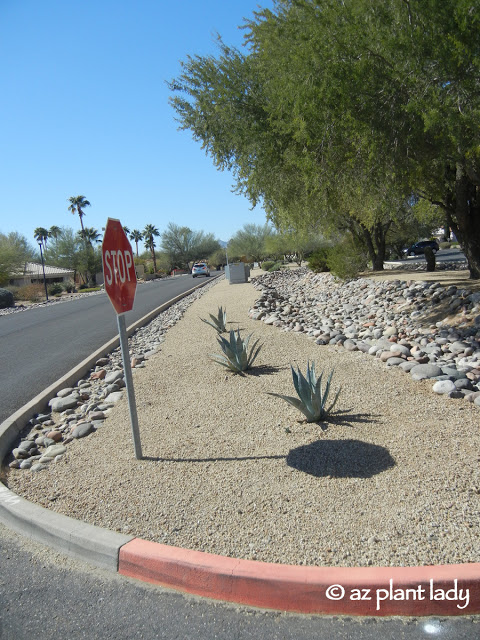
x=95, y=545
x=361, y=591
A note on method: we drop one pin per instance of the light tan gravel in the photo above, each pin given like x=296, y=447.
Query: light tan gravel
x=394, y=479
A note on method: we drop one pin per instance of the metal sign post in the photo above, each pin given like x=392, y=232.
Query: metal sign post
x=122, y=332
x=120, y=285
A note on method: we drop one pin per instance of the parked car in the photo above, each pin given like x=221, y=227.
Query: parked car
x=200, y=269
x=419, y=247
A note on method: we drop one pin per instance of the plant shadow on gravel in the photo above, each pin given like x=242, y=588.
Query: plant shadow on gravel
x=340, y=459
x=344, y=419
x=264, y=370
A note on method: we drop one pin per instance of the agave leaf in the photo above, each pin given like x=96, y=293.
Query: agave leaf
x=295, y=402
x=327, y=388
x=334, y=401
x=305, y=392
x=221, y=360
x=253, y=354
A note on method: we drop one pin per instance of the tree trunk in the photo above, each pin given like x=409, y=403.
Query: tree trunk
x=467, y=218
x=376, y=244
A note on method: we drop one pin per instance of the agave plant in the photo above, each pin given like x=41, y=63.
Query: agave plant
x=220, y=322
x=236, y=354
x=312, y=399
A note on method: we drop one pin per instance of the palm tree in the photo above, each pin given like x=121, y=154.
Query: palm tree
x=90, y=235
x=148, y=235
x=127, y=230
x=41, y=236
x=77, y=204
x=136, y=236
x=54, y=232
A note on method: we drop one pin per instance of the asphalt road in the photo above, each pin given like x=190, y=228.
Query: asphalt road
x=444, y=255
x=47, y=595
x=40, y=345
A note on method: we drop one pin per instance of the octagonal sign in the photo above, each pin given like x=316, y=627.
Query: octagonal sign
x=118, y=267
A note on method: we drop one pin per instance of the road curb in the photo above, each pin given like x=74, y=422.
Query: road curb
x=360, y=591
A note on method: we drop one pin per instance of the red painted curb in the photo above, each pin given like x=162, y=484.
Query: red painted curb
x=363, y=591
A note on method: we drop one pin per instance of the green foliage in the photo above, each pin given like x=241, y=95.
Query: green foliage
x=267, y=264
x=317, y=262
x=182, y=245
x=236, y=353
x=250, y=243
x=219, y=323
x=15, y=250
x=149, y=233
x=217, y=258
x=69, y=286
x=6, y=299
x=312, y=399
x=55, y=288
x=346, y=259
x=339, y=112
x=77, y=205
x=86, y=289
x=276, y=266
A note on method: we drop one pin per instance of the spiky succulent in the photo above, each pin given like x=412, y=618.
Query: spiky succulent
x=236, y=353
x=220, y=322
x=312, y=399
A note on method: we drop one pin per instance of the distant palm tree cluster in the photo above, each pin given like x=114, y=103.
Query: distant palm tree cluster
x=90, y=235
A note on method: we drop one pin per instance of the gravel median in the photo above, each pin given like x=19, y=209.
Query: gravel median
x=391, y=479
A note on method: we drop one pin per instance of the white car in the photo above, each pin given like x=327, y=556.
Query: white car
x=200, y=269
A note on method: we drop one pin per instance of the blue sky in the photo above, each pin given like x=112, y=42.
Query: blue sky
x=84, y=111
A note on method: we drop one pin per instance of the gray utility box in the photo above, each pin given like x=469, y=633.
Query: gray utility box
x=237, y=272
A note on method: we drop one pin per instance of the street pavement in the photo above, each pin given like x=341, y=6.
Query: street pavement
x=44, y=594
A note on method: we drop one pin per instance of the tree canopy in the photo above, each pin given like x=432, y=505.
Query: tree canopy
x=182, y=245
x=345, y=113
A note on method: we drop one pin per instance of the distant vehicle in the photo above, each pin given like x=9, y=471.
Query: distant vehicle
x=419, y=247
x=200, y=269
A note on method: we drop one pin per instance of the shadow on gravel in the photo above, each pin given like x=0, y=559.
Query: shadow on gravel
x=341, y=459
x=264, y=370
x=338, y=418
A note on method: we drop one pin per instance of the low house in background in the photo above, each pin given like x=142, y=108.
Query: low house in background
x=33, y=274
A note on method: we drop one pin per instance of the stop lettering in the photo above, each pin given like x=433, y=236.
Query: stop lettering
x=118, y=267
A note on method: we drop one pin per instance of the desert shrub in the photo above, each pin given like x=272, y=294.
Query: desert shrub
x=317, y=262
x=90, y=289
x=347, y=259
x=31, y=292
x=267, y=264
x=6, y=299
x=13, y=290
x=69, y=286
x=55, y=289
x=276, y=266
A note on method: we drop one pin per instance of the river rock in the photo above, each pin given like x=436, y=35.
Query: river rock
x=61, y=404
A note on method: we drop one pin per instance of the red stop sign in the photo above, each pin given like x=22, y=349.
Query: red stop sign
x=118, y=267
